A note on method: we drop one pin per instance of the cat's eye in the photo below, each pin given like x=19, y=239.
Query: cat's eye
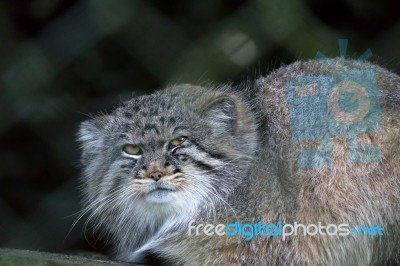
x=178, y=141
x=132, y=149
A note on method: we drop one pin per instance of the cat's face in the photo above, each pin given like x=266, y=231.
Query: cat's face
x=179, y=149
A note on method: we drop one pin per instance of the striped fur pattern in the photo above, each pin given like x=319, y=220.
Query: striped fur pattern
x=238, y=163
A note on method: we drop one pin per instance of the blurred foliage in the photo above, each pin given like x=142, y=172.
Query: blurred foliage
x=63, y=59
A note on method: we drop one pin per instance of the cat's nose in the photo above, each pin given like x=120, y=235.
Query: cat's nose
x=156, y=176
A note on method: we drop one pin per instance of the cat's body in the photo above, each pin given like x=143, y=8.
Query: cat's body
x=221, y=156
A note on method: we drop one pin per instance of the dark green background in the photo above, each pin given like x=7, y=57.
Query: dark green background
x=61, y=60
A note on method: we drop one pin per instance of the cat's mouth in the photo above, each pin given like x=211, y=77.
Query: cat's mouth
x=161, y=189
x=160, y=186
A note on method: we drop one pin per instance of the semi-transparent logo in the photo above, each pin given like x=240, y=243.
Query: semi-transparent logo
x=342, y=104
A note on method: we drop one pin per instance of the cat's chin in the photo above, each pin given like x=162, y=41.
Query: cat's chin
x=160, y=196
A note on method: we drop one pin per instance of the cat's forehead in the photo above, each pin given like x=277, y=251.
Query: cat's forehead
x=147, y=105
x=150, y=116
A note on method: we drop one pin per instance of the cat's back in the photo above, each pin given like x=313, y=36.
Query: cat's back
x=336, y=131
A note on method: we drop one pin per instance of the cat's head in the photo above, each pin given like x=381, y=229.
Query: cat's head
x=180, y=149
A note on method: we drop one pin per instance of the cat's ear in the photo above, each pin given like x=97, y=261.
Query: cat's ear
x=92, y=135
x=225, y=113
